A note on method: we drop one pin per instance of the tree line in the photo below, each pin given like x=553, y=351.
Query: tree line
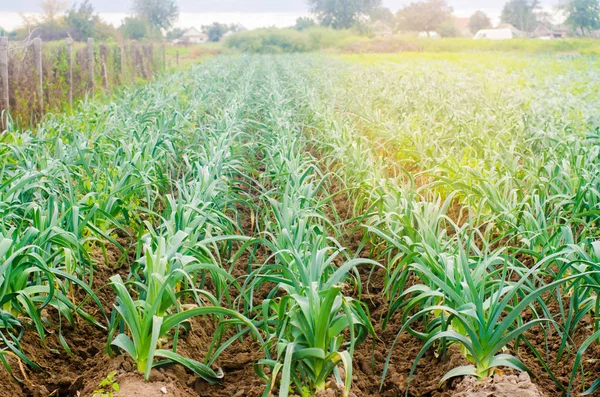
x=149, y=19
x=152, y=19
x=582, y=16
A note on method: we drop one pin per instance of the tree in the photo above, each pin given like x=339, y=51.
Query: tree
x=12, y=35
x=382, y=14
x=135, y=28
x=52, y=8
x=81, y=21
x=160, y=14
x=342, y=14
x=236, y=27
x=104, y=31
x=50, y=26
x=448, y=28
x=582, y=15
x=175, y=33
x=521, y=14
x=424, y=16
x=215, y=31
x=304, y=23
x=47, y=31
x=479, y=20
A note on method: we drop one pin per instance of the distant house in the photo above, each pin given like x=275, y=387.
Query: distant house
x=428, y=35
x=462, y=27
x=502, y=32
x=382, y=29
x=192, y=36
x=516, y=32
x=549, y=32
x=494, y=34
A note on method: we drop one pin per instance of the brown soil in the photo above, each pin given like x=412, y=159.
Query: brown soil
x=548, y=347
x=133, y=385
x=498, y=386
x=8, y=385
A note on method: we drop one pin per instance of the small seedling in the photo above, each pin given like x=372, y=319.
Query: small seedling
x=108, y=386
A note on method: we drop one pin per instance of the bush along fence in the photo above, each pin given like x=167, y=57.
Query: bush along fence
x=36, y=78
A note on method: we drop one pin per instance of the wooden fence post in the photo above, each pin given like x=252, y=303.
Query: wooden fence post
x=177, y=57
x=122, y=63
x=4, y=104
x=164, y=57
x=149, y=53
x=69, y=43
x=142, y=53
x=133, y=63
x=37, y=60
x=103, y=64
x=90, y=44
x=145, y=58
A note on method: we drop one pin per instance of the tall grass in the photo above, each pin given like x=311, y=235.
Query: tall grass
x=291, y=41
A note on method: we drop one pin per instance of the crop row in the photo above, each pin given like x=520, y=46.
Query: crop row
x=474, y=192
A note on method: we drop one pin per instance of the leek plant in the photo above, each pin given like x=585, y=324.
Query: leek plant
x=148, y=321
x=478, y=309
x=306, y=316
x=23, y=262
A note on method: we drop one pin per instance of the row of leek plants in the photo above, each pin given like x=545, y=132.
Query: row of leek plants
x=179, y=274
x=466, y=282
x=308, y=319
x=79, y=181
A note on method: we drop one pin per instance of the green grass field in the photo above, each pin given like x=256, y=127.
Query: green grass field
x=310, y=225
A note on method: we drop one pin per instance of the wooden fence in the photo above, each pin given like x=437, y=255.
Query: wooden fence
x=36, y=78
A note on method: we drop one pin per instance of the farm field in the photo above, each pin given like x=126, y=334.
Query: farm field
x=368, y=225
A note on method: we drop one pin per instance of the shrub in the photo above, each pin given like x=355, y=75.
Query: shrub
x=448, y=29
x=290, y=40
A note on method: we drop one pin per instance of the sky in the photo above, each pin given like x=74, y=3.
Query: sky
x=250, y=13
x=242, y=6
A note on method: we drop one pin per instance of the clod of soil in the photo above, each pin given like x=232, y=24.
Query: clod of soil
x=498, y=386
x=133, y=385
